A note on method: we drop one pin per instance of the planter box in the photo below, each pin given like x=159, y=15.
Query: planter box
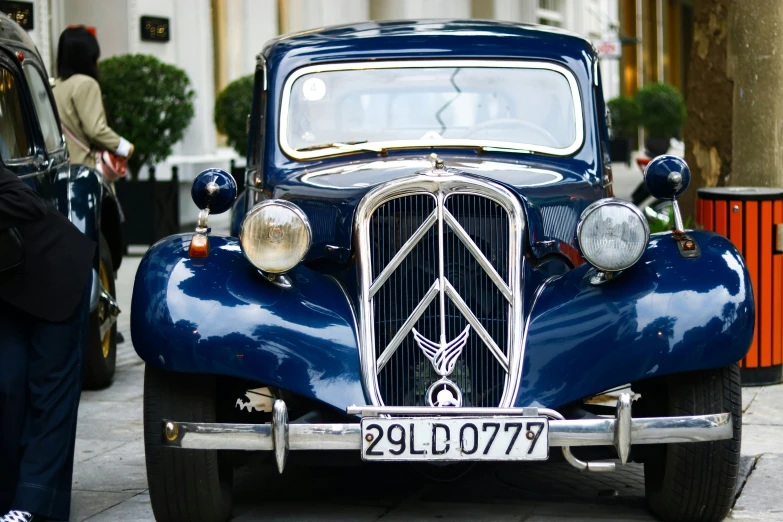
x=151, y=208
x=620, y=149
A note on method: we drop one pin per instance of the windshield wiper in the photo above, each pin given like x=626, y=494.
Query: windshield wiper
x=346, y=145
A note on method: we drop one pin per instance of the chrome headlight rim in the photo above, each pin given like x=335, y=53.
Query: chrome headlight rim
x=289, y=206
x=618, y=202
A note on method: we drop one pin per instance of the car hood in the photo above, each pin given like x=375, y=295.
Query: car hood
x=553, y=198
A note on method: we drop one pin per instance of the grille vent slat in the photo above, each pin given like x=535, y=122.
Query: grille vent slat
x=404, y=380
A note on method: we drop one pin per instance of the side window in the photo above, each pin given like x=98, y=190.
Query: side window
x=13, y=136
x=52, y=134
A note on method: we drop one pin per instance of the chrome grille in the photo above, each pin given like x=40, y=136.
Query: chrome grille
x=399, y=227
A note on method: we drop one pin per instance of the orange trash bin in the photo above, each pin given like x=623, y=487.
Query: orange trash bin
x=750, y=218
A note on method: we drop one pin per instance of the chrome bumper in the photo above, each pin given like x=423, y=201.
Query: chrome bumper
x=281, y=436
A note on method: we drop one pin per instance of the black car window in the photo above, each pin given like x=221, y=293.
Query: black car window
x=13, y=136
x=52, y=134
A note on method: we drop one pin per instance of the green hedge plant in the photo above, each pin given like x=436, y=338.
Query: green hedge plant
x=625, y=115
x=148, y=102
x=232, y=109
x=662, y=109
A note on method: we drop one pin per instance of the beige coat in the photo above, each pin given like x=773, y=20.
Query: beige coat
x=80, y=105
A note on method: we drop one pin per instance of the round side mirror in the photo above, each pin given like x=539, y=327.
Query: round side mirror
x=667, y=177
x=214, y=189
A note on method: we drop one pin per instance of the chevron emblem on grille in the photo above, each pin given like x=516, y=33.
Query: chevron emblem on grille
x=443, y=355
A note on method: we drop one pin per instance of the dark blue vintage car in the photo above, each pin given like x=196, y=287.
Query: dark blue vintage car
x=428, y=265
x=32, y=146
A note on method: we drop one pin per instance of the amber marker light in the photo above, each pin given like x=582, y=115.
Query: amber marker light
x=199, y=246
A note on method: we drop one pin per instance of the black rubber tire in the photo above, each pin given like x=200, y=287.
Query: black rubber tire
x=697, y=480
x=184, y=485
x=99, y=369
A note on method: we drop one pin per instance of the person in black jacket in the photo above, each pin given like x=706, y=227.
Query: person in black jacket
x=44, y=307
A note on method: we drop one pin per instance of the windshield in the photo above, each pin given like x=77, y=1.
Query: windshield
x=341, y=108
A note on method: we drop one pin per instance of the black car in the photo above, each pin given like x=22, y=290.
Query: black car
x=32, y=146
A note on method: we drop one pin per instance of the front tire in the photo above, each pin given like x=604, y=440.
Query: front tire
x=185, y=485
x=695, y=481
x=100, y=358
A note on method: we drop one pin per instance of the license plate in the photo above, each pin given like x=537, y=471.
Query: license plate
x=455, y=438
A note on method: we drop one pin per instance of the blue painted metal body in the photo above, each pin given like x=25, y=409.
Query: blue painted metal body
x=656, y=176
x=217, y=315
x=224, y=196
x=664, y=315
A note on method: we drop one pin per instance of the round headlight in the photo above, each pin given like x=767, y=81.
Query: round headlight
x=612, y=234
x=275, y=236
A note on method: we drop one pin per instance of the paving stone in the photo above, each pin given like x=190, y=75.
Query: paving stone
x=457, y=511
x=758, y=439
x=760, y=498
x=305, y=511
x=746, y=466
x=587, y=511
x=118, y=470
x=749, y=394
x=87, y=449
x=135, y=509
x=128, y=383
x=85, y=504
x=766, y=408
x=116, y=411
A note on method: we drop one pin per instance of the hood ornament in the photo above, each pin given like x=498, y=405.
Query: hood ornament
x=443, y=357
x=437, y=163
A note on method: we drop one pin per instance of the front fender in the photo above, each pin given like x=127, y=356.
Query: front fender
x=664, y=315
x=218, y=315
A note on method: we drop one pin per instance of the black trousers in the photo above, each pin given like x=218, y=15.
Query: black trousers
x=40, y=384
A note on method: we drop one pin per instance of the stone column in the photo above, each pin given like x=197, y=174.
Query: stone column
x=756, y=65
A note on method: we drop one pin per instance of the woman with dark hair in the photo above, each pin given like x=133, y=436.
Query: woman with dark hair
x=79, y=101
x=44, y=307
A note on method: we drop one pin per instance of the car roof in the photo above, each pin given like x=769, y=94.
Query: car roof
x=433, y=38
x=13, y=36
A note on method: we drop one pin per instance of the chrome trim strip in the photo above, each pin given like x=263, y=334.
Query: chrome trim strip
x=408, y=325
x=477, y=254
x=347, y=436
x=476, y=324
x=400, y=256
x=433, y=183
x=515, y=391
x=419, y=64
x=436, y=411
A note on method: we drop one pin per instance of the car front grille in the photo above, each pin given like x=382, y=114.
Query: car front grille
x=395, y=236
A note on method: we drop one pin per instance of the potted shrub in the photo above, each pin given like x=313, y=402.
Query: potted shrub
x=662, y=114
x=624, y=114
x=232, y=110
x=151, y=104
